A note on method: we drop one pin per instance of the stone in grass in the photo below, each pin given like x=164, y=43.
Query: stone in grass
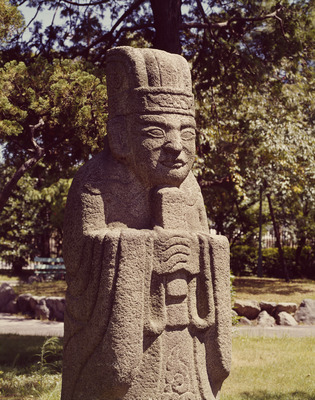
x=265, y=320
x=306, y=312
x=11, y=307
x=23, y=302
x=284, y=318
x=287, y=307
x=41, y=310
x=7, y=295
x=244, y=321
x=56, y=307
x=247, y=308
x=39, y=307
x=268, y=306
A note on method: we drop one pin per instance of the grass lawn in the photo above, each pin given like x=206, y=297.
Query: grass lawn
x=246, y=288
x=271, y=369
x=262, y=369
x=51, y=288
x=271, y=289
x=29, y=367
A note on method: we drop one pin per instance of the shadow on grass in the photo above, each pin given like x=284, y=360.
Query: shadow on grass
x=277, y=286
x=20, y=351
x=263, y=395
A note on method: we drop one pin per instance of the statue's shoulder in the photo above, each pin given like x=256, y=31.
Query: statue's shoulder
x=219, y=242
x=91, y=176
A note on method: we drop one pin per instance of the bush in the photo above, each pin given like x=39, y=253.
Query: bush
x=244, y=262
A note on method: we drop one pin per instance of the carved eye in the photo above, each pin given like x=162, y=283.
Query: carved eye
x=188, y=134
x=155, y=132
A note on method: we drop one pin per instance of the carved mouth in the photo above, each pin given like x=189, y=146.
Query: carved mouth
x=173, y=164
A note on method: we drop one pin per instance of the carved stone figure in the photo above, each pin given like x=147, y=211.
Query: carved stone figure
x=148, y=299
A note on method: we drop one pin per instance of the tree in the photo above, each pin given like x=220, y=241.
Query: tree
x=252, y=71
x=55, y=112
x=11, y=23
x=33, y=215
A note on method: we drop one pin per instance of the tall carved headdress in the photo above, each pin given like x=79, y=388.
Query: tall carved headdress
x=147, y=80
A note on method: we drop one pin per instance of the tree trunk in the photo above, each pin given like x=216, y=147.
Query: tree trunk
x=278, y=241
x=259, y=263
x=299, y=249
x=167, y=20
x=9, y=186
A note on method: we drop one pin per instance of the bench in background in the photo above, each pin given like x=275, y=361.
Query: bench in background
x=49, y=268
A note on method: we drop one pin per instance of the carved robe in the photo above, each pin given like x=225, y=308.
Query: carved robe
x=146, y=305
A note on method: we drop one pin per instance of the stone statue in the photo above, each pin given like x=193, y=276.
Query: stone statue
x=148, y=299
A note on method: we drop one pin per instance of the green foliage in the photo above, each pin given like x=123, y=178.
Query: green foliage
x=32, y=215
x=253, y=73
x=11, y=22
x=244, y=262
x=69, y=100
x=20, y=375
x=50, y=356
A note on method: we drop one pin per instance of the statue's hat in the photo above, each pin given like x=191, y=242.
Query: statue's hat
x=147, y=81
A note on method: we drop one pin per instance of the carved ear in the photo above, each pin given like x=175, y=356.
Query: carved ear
x=118, y=137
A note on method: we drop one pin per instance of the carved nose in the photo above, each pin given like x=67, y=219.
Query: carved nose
x=174, y=144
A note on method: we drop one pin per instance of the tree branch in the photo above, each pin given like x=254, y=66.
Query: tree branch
x=9, y=186
x=218, y=182
x=216, y=25
x=108, y=34
x=75, y=3
x=38, y=153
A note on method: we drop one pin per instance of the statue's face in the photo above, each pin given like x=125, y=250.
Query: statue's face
x=162, y=147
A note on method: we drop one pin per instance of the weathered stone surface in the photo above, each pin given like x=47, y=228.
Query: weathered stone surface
x=7, y=295
x=247, y=308
x=306, y=312
x=287, y=307
x=148, y=302
x=266, y=320
x=284, y=318
x=244, y=321
x=56, y=306
x=268, y=306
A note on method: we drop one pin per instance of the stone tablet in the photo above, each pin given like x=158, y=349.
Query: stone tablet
x=148, y=309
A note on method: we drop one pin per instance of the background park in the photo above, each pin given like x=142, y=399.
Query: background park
x=252, y=66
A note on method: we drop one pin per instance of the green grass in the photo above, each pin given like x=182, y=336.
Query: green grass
x=29, y=367
x=8, y=278
x=246, y=288
x=271, y=369
x=271, y=289
x=262, y=369
x=51, y=288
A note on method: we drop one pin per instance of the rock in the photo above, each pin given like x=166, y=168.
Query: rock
x=287, y=307
x=284, y=318
x=244, y=321
x=34, y=301
x=247, y=308
x=23, y=303
x=41, y=310
x=306, y=312
x=7, y=294
x=34, y=278
x=268, y=306
x=56, y=307
x=265, y=319
x=11, y=307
